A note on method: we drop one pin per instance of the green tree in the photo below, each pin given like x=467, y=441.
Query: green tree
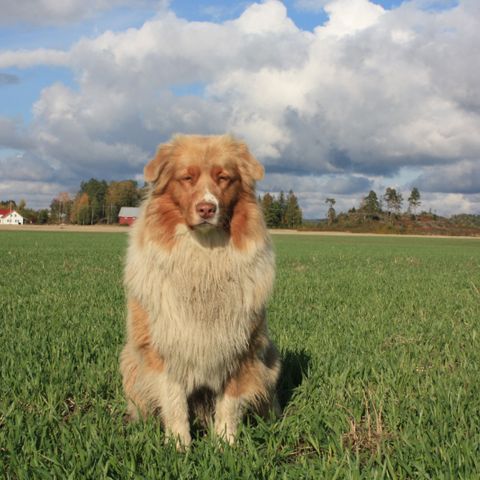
x=96, y=191
x=43, y=216
x=331, y=213
x=81, y=209
x=61, y=207
x=414, y=200
x=371, y=204
x=293, y=214
x=276, y=213
x=8, y=204
x=393, y=199
x=22, y=205
x=281, y=207
x=268, y=211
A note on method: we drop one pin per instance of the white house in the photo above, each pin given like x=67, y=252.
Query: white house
x=10, y=217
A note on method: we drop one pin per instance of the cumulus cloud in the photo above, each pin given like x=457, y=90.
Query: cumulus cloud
x=25, y=168
x=367, y=94
x=460, y=177
x=327, y=184
x=11, y=135
x=38, y=194
x=450, y=203
x=349, y=16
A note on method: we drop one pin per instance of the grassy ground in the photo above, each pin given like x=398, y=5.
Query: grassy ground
x=380, y=339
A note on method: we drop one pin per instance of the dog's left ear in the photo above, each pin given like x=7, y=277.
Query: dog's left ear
x=252, y=166
x=154, y=168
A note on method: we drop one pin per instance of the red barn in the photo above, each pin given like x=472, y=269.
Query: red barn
x=127, y=215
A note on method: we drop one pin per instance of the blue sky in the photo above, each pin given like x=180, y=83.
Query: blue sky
x=357, y=95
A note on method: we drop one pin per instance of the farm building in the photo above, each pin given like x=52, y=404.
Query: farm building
x=10, y=217
x=127, y=215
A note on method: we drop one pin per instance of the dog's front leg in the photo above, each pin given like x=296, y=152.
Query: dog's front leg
x=228, y=414
x=172, y=399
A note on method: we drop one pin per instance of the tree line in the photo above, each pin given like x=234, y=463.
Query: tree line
x=97, y=201
x=282, y=211
x=372, y=206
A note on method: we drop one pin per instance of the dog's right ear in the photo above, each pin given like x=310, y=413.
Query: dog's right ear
x=155, y=167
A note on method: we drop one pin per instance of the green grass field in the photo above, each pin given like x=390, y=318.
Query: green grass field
x=380, y=339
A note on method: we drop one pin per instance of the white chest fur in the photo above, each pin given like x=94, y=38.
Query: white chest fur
x=202, y=300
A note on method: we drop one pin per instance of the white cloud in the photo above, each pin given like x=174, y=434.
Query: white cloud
x=267, y=18
x=461, y=177
x=30, y=58
x=37, y=194
x=349, y=16
x=451, y=203
x=24, y=168
x=11, y=134
x=344, y=108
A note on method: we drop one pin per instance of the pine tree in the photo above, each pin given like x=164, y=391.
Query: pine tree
x=331, y=214
x=96, y=191
x=398, y=203
x=293, y=213
x=276, y=213
x=271, y=218
x=371, y=204
x=393, y=200
x=414, y=200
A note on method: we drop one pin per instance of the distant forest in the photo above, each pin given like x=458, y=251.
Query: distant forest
x=99, y=202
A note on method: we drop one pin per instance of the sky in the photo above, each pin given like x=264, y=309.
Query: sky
x=334, y=97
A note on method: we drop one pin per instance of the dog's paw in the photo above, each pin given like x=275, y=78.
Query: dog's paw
x=182, y=441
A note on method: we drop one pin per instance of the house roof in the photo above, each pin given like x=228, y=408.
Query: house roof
x=129, y=212
x=5, y=211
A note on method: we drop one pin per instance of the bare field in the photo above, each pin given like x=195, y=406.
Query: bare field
x=124, y=229
x=65, y=228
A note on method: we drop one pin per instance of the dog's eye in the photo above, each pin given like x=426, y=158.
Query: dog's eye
x=187, y=178
x=223, y=178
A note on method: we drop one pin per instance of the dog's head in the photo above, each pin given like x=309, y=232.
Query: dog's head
x=201, y=181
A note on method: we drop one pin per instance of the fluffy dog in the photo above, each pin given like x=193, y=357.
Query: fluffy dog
x=199, y=271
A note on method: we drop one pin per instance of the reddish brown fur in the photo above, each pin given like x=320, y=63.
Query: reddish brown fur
x=144, y=355
x=162, y=218
x=184, y=170
x=244, y=220
x=129, y=367
x=246, y=381
x=140, y=336
x=249, y=380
